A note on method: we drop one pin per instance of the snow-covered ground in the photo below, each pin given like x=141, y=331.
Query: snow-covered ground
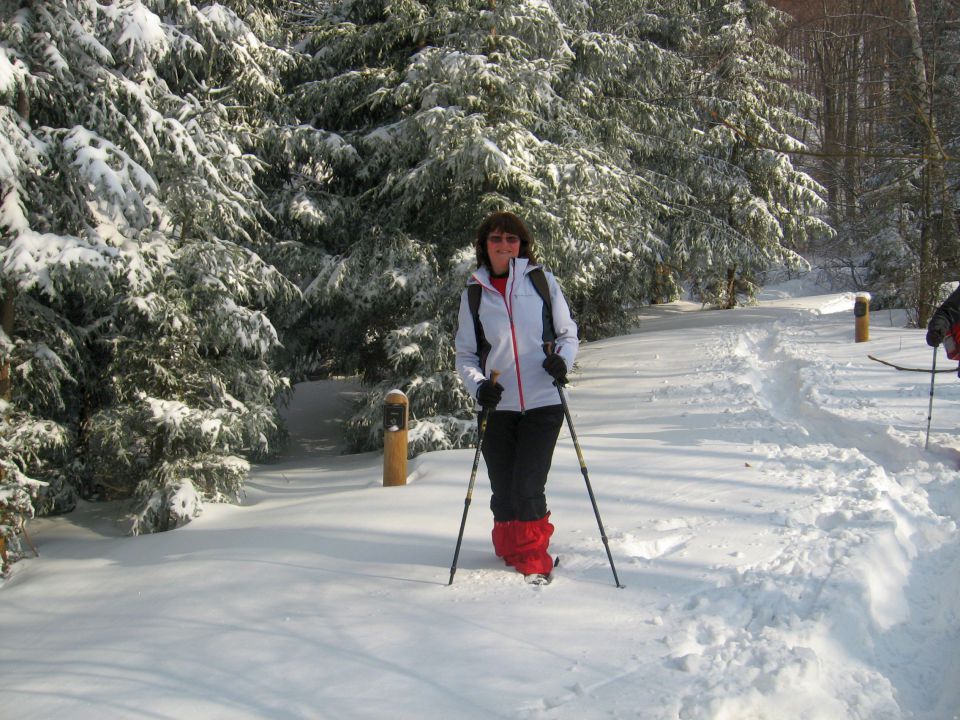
x=788, y=547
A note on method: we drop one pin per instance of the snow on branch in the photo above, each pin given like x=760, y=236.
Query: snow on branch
x=36, y=259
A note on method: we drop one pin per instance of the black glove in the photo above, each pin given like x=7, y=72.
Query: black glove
x=936, y=331
x=557, y=367
x=489, y=394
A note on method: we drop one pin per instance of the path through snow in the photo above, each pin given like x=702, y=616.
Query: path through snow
x=788, y=548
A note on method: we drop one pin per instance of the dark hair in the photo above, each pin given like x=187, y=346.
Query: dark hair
x=505, y=222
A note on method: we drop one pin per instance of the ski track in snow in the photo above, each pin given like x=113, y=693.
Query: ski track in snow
x=859, y=526
x=787, y=591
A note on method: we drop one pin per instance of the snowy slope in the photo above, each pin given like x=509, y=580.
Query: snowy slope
x=788, y=549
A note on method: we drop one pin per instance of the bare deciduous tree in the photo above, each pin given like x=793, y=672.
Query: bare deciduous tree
x=884, y=72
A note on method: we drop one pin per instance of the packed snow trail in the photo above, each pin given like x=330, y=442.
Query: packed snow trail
x=807, y=618
x=788, y=550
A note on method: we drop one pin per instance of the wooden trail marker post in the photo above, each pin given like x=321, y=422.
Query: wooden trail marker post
x=861, y=314
x=395, y=416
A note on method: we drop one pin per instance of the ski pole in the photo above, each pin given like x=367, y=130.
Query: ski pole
x=933, y=377
x=473, y=479
x=586, y=477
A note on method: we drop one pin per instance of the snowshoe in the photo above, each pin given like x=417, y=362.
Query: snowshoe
x=541, y=578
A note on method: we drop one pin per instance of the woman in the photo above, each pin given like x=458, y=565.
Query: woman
x=524, y=414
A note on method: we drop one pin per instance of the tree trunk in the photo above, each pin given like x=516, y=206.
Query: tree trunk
x=938, y=225
x=9, y=289
x=828, y=126
x=6, y=319
x=731, y=288
x=851, y=180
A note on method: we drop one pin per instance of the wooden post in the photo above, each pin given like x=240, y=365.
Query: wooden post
x=861, y=313
x=395, y=414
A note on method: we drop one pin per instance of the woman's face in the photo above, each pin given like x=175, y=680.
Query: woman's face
x=501, y=246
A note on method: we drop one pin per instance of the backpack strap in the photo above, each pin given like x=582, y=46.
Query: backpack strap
x=474, y=293
x=543, y=290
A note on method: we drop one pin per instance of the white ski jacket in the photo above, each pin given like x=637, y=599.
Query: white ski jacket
x=513, y=325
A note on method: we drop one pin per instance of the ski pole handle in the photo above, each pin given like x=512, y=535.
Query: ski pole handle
x=548, y=351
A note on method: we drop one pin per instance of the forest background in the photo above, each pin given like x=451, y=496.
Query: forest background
x=202, y=204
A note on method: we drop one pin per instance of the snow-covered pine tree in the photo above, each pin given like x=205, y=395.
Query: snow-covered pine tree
x=718, y=141
x=432, y=115
x=760, y=209
x=605, y=125
x=621, y=91
x=142, y=322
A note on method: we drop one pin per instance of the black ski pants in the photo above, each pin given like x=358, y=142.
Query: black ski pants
x=518, y=450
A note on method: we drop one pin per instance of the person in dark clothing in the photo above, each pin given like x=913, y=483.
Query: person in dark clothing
x=943, y=320
x=524, y=410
